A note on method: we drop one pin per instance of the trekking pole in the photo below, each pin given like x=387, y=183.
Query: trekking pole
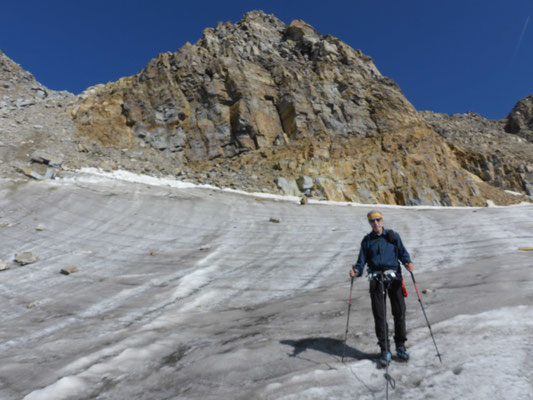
x=425, y=316
x=390, y=380
x=347, y=321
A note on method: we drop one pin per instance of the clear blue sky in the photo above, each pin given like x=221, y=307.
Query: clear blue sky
x=447, y=56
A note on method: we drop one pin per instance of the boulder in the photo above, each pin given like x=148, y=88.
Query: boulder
x=49, y=174
x=26, y=257
x=69, y=270
x=288, y=186
x=46, y=158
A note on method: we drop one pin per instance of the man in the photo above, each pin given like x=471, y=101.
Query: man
x=381, y=250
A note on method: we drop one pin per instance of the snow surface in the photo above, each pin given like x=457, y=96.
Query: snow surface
x=192, y=293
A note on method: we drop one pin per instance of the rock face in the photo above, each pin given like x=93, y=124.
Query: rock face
x=260, y=105
x=247, y=86
x=289, y=102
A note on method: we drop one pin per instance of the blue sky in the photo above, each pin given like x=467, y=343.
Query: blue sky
x=447, y=56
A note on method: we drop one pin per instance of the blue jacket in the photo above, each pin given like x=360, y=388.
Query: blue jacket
x=377, y=251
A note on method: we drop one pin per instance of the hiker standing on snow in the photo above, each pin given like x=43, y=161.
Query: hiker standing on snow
x=381, y=250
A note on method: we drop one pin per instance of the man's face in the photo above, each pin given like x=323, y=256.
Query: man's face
x=377, y=224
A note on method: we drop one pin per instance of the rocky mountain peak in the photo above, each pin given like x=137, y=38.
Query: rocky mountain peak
x=271, y=104
x=263, y=38
x=285, y=74
x=261, y=105
x=254, y=29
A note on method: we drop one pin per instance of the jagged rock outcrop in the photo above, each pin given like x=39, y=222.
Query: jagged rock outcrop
x=289, y=102
x=247, y=86
x=520, y=119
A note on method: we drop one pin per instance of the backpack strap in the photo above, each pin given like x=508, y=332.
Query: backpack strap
x=392, y=239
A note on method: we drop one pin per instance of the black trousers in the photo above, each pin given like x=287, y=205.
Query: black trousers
x=397, y=302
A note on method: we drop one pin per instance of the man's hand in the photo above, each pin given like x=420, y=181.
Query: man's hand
x=410, y=267
x=353, y=273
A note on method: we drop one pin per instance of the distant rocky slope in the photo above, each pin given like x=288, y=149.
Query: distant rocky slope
x=499, y=152
x=264, y=106
x=38, y=135
x=32, y=117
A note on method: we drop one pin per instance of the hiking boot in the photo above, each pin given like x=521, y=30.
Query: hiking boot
x=384, y=358
x=402, y=353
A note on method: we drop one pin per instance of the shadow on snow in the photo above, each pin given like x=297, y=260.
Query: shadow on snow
x=334, y=347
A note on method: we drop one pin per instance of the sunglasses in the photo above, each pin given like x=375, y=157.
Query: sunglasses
x=375, y=220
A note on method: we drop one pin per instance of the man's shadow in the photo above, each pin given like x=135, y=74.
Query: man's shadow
x=334, y=347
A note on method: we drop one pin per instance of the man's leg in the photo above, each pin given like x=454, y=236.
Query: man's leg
x=398, y=311
x=397, y=303
x=376, y=296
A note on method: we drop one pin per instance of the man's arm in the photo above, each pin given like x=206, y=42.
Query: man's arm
x=403, y=255
x=357, y=269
